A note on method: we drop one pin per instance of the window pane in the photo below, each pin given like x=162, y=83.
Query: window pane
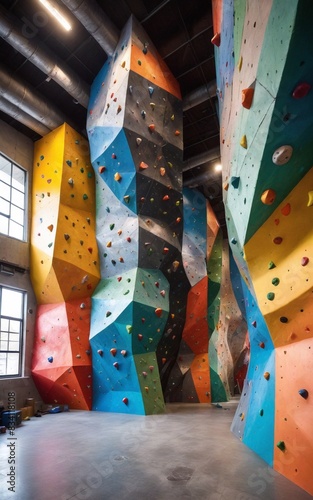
x=5, y=191
x=5, y=169
x=18, y=178
x=17, y=198
x=3, y=363
x=12, y=303
x=4, y=225
x=4, y=207
x=13, y=363
x=16, y=231
x=15, y=326
x=17, y=215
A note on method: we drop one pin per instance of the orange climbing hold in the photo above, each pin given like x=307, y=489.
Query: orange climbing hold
x=286, y=209
x=216, y=39
x=143, y=165
x=268, y=197
x=247, y=97
x=158, y=312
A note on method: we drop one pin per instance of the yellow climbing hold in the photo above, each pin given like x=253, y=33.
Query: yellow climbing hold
x=243, y=142
x=310, y=202
x=240, y=63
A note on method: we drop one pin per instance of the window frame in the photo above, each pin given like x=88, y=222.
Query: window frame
x=22, y=320
x=25, y=209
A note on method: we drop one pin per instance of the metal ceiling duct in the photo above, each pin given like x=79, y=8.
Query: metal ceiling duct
x=207, y=156
x=95, y=21
x=22, y=117
x=199, y=95
x=29, y=100
x=11, y=30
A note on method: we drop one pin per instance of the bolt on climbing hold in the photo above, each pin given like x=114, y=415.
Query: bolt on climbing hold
x=310, y=200
x=271, y=296
x=282, y=155
x=286, y=209
x=151, y=127
x=116, y=365
x=261, y=413
x=266, y=375
x=303, y=393
x=243, y=142
x=283, y=319
x=100, y=352
x=117, y=177
x=301, y=90
x=304, y=261
x=271, y=265
x=275, y=281
x=247, y=97
x=277, y=240
x=123, y=352
x=125, y=401
x=113, y=351
x=262, y=345
x=235, y=182
x=50, y=359
x=281, y=445
x=268, y=197
x=216, y=39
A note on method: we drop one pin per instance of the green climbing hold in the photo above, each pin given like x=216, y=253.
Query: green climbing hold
x=85, y=196
x=112, y=226
x=271, y=265
x=271, y=296
x=281, y=445
x=69, y=163
x=127, y=198
x=275, y=281
x=129, y=329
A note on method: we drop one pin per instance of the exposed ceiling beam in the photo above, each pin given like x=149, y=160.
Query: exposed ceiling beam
x=42, y=57
x=22, y=117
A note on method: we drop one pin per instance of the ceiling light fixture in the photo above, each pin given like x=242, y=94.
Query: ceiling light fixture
x=218, y=167
x=55, y=13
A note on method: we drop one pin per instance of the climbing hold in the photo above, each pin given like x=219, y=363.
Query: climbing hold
x=143, y=165
x=271, y=296
x=163, y=360
x=275, y=281
x=166, y=197
x=262, y=345
x=310, y=201
x=128, y=239
x=281, y=445
x=165, y=250
x=158, y=312
x=233, y=241
x=50, y=359
x=129, y=329
x=66, y=236
x=113, y=351
x=261, y=412
x=216, y=39
x=151, y=127
x=268, y=197
x=152, y=105
x=101, y=169
x=286, y=209
x=283, y=319
x=254, y=324
x=151, y=368
x=277, y=240
x=235, y=182
x=240, y=63
x=246, y=97
x=304, y=261
x=125, y=401
x=243, y=142
x=116, y=365
x=126, y=198
x=100, y=352
x=172, y=118
x=225, y=186
x=138, y=141
x=301, y=90
x=117, y=177
x=130, y=88
x=177, y=132
x=43, y=339
x=303, y=393
x=139, y=336
x=123, y=352
x=82, y=305
x=175, y=265
x=282, y=155
x=108, y=313
x=69, y=163
x=271, y=265
x=151, y=90
x=71, y=181
x=114, y=156
x=266, y=375
x=144, y=374
x=78, y=356
x=143, y=113
x=50, y=227
x=145, y=49
x=109, y=244
x=162, y=171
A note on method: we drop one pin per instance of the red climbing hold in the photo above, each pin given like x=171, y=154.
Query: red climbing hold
x=151, y=127
x=304, y=261
x=114, y=156
x=216, y=39
x=301, y=90
x=113, y=351
x=277, y=240
x=286, y=209
x=246, y=97
x=125, y=401
x=158, y=311
x=139, y=336
x=166, y=197
x=101, y=169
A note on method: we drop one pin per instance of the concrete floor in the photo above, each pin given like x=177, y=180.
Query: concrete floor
x=187, y=453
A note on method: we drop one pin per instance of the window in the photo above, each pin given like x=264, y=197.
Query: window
x=12, y=310
x=12, y=199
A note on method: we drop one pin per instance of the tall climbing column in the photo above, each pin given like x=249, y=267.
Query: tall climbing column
x=135, y=132
x=64, y=267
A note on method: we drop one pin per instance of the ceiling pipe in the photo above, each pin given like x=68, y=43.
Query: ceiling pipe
x=11, y=30
x=95, y=21
x=195, y=161
x=22, y=117
x=29, y=100
x=199, y=95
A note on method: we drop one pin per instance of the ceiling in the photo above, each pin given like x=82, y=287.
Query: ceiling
x=181, y=30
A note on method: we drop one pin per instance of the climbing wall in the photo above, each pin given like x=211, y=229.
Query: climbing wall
x=264, y=74
x=138, y=309
x=64, y=267
x=189, y=379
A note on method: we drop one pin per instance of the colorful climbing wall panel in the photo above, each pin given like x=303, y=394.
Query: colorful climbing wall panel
x=138, y=310
x=266, y=143
x=64, y=266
